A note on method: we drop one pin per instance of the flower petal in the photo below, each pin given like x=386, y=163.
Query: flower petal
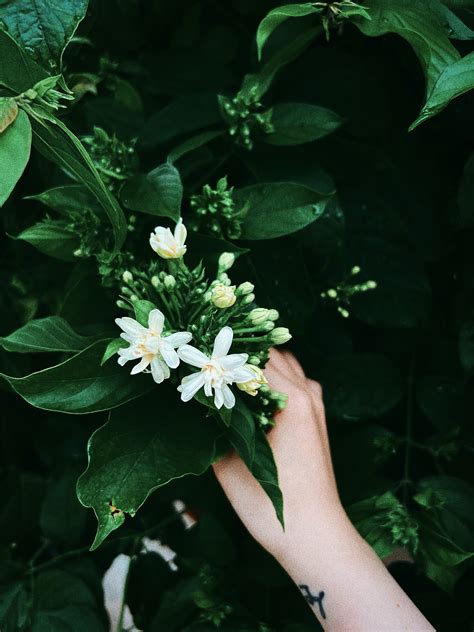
x=169, y=355
x=130, y=326
x=190, y=387
x=157, y=370
x=192, y=356
x=222, y=342
x=156, y=320
x=180, y=233
x=218, y=397
x=141, y=366
x=208, y=388
x=234, y=361
x=179, y=338
x=241, y=375
x=229, y=397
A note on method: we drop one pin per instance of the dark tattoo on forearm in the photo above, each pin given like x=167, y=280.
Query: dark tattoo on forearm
x=312, y=599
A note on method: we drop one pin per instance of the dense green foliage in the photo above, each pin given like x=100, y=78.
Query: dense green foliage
x=329, y=147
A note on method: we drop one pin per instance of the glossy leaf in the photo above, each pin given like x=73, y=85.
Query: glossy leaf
x=15, y=146
x=158, y=193
x=297, y=123
x=52, y=238
x=18, y=71
x=42, y=29
x=136, y=452
x=67, y=199
x=80, y=385
x=278, y=208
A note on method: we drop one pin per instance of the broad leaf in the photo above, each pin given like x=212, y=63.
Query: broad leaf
x=17, y=70
x=456, y=79
x=80, y=385
x=158, y=193
x=52, y=238
x=265, y=471
x=43, y=29
x=142, y=447
x=297, y=123
x=142, y=310
x=278, y=208
x=360, y=386
x=47, y=334
x=277, y=16
x=189, y=145
x=57, y=143
x=15, y=146
x=241, y=432
x=67, y=199
x=8, y=112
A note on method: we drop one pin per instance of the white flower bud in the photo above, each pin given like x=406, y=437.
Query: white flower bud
x=224, y=279
x=254, y=360
x=273, y=314
x=371, y=285
x=248, y=299
x=258, y=316
x=226, y=261
x=279, y=336
x=223, y=296
x=245, y=288
x=127, y=277
x=169, y=282
x=355, y=270
x=344, y=313
x=268, y=325
x=155, y=281
x=332, y=293
x=251, y=387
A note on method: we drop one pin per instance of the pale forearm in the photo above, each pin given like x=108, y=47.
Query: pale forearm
x=344, y=582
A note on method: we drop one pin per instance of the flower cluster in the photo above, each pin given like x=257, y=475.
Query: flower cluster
x=214, y=212
x=245, y=118
x=173, y=305
x=342, y=293
x=114, y=159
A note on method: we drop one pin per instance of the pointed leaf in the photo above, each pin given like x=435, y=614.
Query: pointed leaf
x=297, y=123
x=15, y=146
x=159, y=192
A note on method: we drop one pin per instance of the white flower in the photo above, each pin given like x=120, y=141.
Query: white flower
x=223, y=296
x=251, y=387
x=217, y=372
x=148, y=345
x=167, y=245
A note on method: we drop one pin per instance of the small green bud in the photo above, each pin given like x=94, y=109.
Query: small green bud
x=226, y=261
x=273, y=314
x=155, y=281
x=258, y=316
x=279, y=336
x=371, y=285
x=332, y=293
x=245, y=288
x=248, y=299
x=268, y=325
x=255, y=360
x=121, y=304
x=127, y=277
x=344, y=313
x=169, y=282
x=355, y=270
x=224, y=279
x=134, y=298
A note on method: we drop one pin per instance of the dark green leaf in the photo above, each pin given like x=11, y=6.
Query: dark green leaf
x=112, y=348
x=67, y=199
x=278, y=208
x=42, y=29
x=52, y=238
x=137, y=451
x=80, y=385
x=195, y=142
x=297, y=123
x=8, y=112
x=265, y=471
x=18, y=71
x=360, y=386
x=47, y=334
x=142, y=310
x=15, y=146
x=241, y=432
x=158, y=193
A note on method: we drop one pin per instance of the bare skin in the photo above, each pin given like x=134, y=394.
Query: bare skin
x=340, y=576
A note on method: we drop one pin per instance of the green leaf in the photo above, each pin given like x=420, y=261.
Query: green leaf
x=241, y=432
x=112, y=348
x=43, y=30
x=159, y=192
x=442, y=400
x=455, y=80
x=265, y=471
x=80, y=385
x=142, y=310
x=278, y=208
x=57, y=143
x=18, y=71
x=8, y=112
x=189, y=145
x=52, y=238
x=15, y=147
x=424, y=32
x=67, y=200
x=360, y=386
x=143, y=446
x=13, y=607
x=277, y=16
x=47, y=334
x=297, y=123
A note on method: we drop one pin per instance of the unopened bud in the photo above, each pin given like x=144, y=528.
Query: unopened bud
x=251, y=387
x=127, y=276
x=371, y=285
x=268, y=325
x=273, y=314
x=258, y=316
x=169, y=282
x=226, y=261
x=255, y=360
x=121, y=304
x=279, y=336
x=332, y=293
x=224, y=279
x=155, y=281
x=355, y=270
x=245, y=288
x=344, y=313
x=248, y=299
x=223, y=296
